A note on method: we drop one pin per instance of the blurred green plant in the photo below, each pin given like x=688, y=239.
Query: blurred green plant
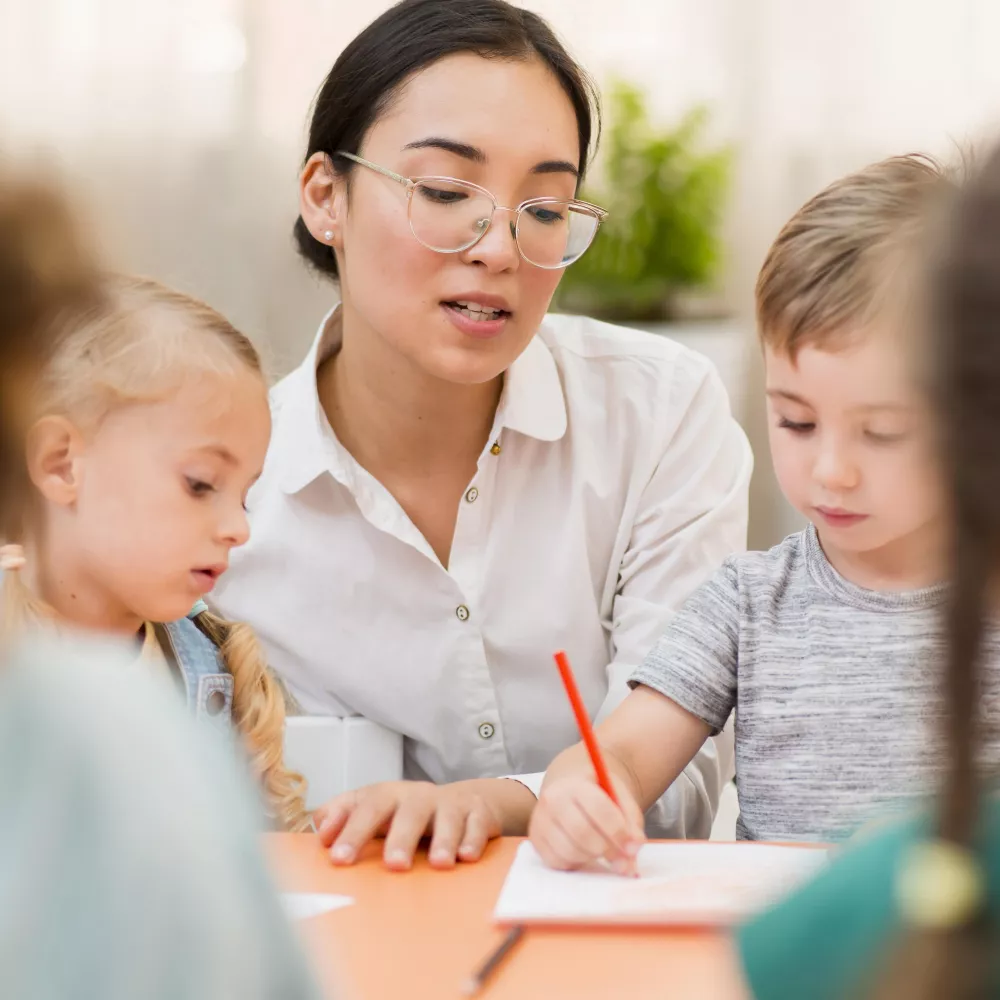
x=665, y=197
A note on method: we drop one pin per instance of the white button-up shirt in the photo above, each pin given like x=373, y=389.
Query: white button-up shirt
x=614, y=482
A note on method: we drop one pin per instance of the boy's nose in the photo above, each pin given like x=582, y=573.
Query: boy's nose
x=835, y=470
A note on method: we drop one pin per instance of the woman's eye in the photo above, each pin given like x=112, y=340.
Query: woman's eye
x=795, y=427
x=438, y=196
x=542, y=214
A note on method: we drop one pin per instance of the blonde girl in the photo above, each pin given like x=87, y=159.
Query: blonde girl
x=152, y=423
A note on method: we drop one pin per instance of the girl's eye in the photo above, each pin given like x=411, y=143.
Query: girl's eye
x=796, y=428
x=198, y=487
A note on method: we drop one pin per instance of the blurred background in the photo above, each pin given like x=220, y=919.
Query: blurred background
x=181, y=126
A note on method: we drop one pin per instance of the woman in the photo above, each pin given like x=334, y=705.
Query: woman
x=458, y=484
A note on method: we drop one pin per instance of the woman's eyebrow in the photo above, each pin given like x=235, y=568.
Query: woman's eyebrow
x=476, y=155
x=462, y=149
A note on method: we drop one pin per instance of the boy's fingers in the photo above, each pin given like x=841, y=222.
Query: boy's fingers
x=610, y=822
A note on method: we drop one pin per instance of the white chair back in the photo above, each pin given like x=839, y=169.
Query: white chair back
x=338, y=755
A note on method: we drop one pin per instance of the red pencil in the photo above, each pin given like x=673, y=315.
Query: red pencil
x=586, y=729
x=587, y=733
x=589, y=739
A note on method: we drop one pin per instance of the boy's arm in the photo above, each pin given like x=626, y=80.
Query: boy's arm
x=684, y=691
x=647, y=741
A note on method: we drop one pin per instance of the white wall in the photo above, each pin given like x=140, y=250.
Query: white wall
x=183, y=122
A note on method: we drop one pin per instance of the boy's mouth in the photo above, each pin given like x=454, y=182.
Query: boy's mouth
x=837, y=517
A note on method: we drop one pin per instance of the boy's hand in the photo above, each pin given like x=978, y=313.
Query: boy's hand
x=576, y=823
x=460, y=818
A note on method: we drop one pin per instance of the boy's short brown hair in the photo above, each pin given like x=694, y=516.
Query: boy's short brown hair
x=845, y=252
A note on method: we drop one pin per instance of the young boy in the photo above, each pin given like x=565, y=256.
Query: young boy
x=826, y=646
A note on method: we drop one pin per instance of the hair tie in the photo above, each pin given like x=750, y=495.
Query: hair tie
x=12, y=558
x=200, y=608
x=939, y=885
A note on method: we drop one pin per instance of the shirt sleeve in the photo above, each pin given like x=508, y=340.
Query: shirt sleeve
x=694, y=662
x=691, y=516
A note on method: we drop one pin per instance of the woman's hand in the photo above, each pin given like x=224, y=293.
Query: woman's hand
x=576, y=823
x=460, y=818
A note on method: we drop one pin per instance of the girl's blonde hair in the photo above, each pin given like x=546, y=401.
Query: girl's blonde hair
x=138, y=343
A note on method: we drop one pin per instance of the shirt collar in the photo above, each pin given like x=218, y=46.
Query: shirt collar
x=532, y=403
x=305, y=445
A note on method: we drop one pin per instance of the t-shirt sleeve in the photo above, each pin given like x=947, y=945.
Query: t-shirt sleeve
x=694, y=662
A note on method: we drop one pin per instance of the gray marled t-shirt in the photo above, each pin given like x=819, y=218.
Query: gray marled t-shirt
x=835, y=689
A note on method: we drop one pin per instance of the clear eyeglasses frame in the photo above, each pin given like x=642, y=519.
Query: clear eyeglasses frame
x=449, y=215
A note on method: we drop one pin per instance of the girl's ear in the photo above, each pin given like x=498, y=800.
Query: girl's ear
x=54, y=452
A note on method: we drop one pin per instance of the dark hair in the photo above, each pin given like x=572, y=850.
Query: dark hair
x=956, y=962
x=46, y=278
x=406, y=38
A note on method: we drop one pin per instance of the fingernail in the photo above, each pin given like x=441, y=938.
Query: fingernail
x=441, y=857
x=632, y=848
x=622, y=866
x=397, y=858
x=342, y=852
x=465, y=850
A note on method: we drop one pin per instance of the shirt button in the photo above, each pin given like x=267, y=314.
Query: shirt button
x=472, y=495
x=486, y=730
x=463, y=613
x=495, y=450
x=215, y=703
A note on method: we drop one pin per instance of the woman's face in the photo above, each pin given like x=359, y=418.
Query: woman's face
x=505, y=125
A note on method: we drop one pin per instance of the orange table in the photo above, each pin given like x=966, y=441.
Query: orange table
x=420, y=934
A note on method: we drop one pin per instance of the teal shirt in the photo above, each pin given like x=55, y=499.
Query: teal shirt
x=129, y=859
x=826, y=939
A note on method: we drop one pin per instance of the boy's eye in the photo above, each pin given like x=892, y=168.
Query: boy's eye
x=198, y=487
x=878, y=438
x=796, y=428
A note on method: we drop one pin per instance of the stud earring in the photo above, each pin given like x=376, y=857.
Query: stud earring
x=328, y=235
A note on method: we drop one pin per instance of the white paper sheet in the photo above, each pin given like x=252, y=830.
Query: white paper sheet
x=683, y=883
x=302, y=905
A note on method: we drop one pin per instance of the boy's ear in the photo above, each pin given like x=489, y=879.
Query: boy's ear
x=53, y=450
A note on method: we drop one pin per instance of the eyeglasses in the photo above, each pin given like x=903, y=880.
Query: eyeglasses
x=448, y=216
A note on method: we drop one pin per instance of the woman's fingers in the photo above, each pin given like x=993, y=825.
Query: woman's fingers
x=460, y=820
x=480, y=827
x=412, y=817
x=330, y=818
x=449, y=828
x=371, y=811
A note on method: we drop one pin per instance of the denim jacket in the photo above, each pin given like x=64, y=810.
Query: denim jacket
x=208, y=686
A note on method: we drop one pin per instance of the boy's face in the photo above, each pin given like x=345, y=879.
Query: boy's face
x=853, y=448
